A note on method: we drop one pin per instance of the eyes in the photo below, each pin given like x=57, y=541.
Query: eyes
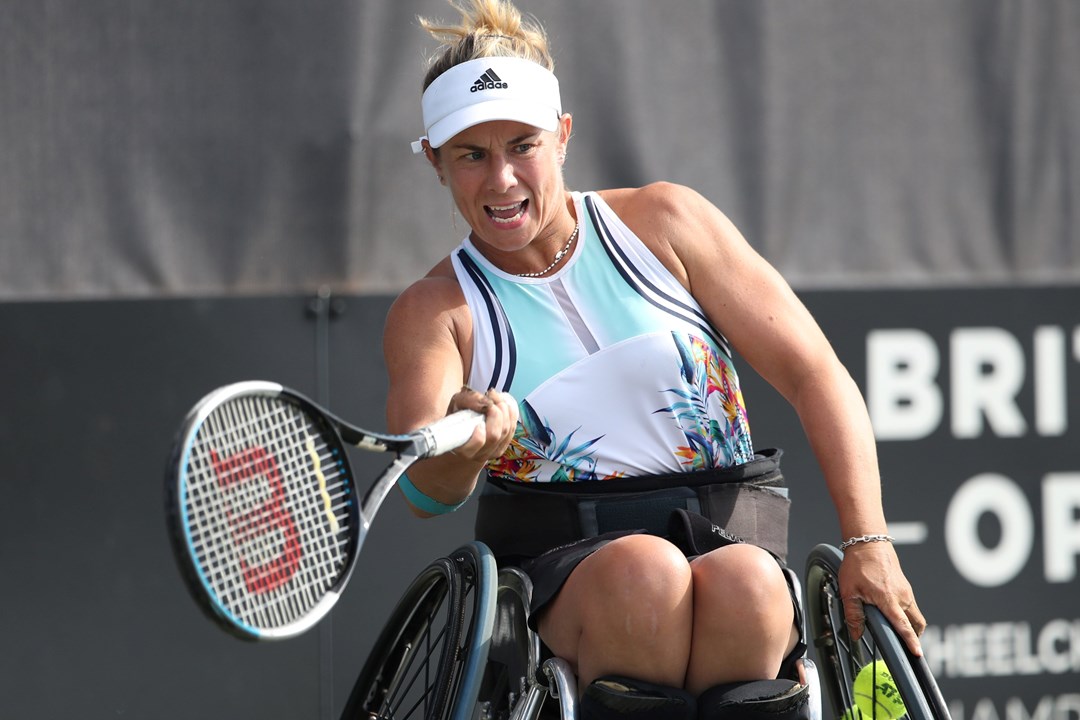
x=524, y=149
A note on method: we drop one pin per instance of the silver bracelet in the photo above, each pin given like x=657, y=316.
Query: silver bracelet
x=865, y=539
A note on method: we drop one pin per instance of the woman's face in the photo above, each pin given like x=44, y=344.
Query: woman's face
x=506, y=180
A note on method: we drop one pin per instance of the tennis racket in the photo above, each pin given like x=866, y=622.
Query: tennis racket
x=262, y=505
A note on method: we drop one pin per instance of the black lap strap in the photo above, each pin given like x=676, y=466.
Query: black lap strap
x=696, y=535
x=523, y=520
x=756, y=700
x=618, y=698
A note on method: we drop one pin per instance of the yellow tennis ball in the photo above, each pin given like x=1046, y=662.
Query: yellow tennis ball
x=875, y=693
x=852, y=713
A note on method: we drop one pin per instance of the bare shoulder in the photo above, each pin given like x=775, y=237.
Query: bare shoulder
x=435, y=287
x=435, y=301
x=672, y=220
x=658, y=197
x=667, y=210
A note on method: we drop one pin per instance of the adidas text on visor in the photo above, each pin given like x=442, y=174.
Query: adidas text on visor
x=485, y=89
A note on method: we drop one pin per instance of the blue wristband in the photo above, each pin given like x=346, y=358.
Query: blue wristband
x=424, y=502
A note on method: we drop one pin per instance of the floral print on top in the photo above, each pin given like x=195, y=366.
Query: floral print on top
x=708, y=381
x=535, y=442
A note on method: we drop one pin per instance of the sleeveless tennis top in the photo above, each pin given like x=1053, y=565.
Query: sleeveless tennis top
x=616, y=369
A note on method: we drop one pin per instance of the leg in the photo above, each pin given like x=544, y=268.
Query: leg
x=743, y=617
x=626, y=610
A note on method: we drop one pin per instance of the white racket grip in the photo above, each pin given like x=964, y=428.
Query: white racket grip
x=451, y=432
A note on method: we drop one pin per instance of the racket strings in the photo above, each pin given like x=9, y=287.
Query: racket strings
x=273, y=608
x=319, y=574
x=268, y=505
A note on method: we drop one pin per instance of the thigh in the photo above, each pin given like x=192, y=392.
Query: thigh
x=549, y=572
x=626, y=575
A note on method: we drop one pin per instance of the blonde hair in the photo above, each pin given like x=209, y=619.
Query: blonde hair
x=488, y=28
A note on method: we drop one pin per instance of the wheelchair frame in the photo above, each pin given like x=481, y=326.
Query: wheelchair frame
x=458, y=647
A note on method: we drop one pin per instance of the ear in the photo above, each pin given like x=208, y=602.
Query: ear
x=433, y=158
x=566, y=124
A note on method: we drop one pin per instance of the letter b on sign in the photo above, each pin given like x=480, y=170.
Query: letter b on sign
x=903, y=396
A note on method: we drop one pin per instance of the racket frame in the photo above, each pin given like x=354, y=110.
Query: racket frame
x=442, y=436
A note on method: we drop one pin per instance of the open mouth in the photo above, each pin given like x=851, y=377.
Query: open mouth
x=506, y=214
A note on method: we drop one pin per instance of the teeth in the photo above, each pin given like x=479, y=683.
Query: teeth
x=500, y=220
x=503, y=208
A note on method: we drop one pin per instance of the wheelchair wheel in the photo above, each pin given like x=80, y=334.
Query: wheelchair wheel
x=514, y=654
x=477, y=565
x=426, y=661
x=840, y=658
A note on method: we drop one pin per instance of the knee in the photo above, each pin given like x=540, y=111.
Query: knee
x=742, y=577
x=643, y=570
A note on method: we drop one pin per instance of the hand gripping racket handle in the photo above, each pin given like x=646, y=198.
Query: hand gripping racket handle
x=449, y=433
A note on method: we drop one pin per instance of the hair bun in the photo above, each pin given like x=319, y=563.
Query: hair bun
x=487, y=28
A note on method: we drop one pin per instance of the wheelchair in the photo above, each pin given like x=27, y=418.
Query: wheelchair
x=457, y=647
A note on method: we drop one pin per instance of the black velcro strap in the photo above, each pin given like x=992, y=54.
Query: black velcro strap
x=526, y=522
x=619, y=698
x=525, y=525
x=756, y=700
x=758, y=514
x=696, y=535
x=647, y=511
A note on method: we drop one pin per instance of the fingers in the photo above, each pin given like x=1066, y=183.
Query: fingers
x=909, y=624
x=906, y=631
x=906, y=619
x=468, y=399
x=854, y=616
x=501, y=421
x=918, y=622
x=500, y=412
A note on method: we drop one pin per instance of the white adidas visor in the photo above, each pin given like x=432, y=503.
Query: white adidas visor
x=485, y=89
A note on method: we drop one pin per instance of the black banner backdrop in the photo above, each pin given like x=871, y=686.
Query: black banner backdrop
x=974, y=394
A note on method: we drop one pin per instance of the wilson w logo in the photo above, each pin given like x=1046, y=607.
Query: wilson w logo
x=261, y=526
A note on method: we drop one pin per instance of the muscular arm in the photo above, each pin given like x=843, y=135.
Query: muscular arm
x=425, y=331
x=773, y=331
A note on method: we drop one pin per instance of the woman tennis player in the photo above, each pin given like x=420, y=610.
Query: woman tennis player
x=599, y=330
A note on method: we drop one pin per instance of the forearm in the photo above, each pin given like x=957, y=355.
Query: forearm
x=446, y=479
x=837, y=425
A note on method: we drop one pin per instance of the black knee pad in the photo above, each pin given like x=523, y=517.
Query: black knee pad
x=619, y=698
x=756, y=700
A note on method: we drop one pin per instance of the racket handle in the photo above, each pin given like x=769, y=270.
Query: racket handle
x=450, y=432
